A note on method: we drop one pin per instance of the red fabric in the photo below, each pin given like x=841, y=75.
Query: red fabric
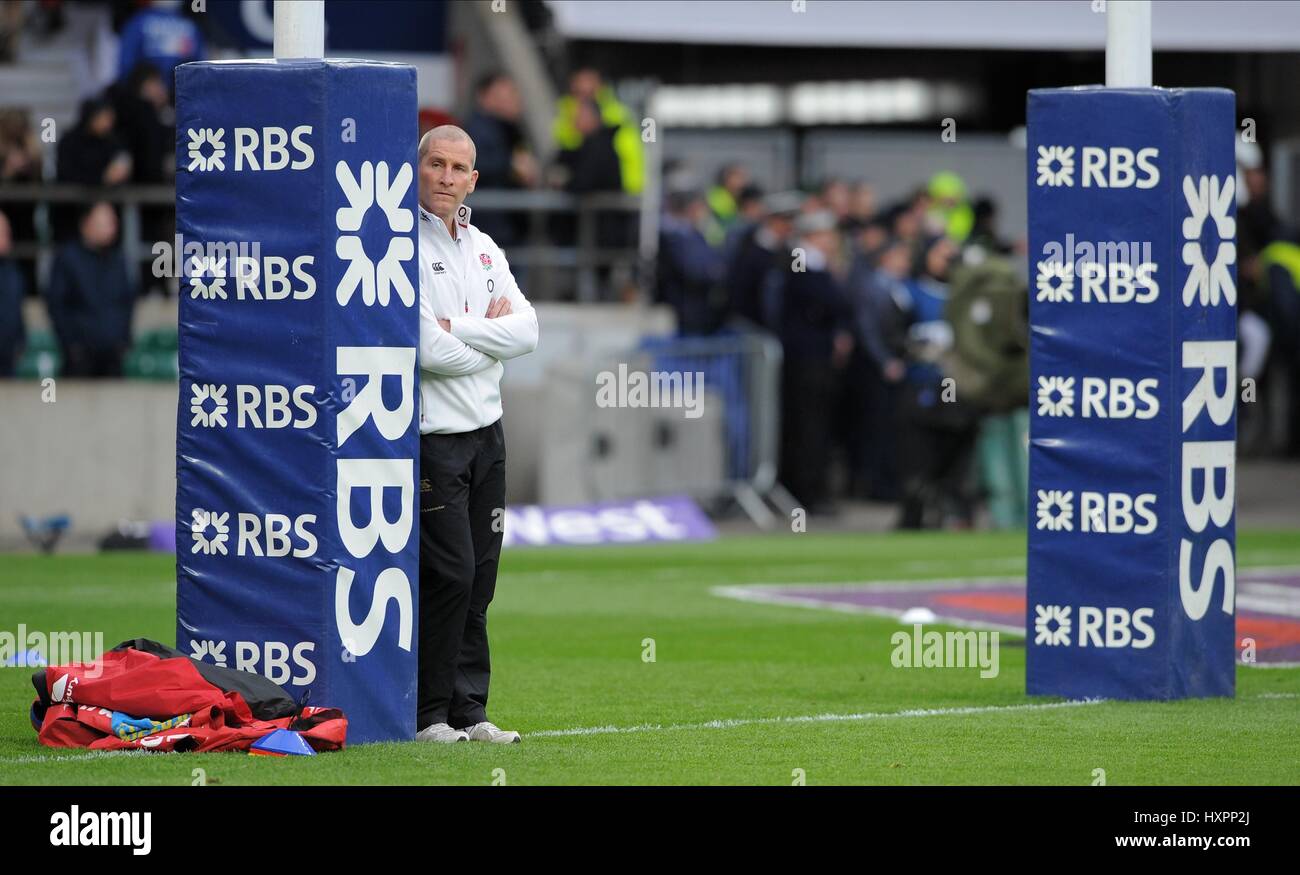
x=84, y=696
x=135, y=683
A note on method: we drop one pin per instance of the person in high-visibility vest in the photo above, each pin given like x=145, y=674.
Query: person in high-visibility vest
x=950, y=210
x=586, y=84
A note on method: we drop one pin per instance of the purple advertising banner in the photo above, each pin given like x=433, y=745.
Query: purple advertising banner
x=635, y=521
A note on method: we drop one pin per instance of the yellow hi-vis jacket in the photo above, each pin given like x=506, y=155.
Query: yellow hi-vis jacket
x=627, y=140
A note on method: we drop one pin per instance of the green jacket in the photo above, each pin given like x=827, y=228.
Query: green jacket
x=988, y=311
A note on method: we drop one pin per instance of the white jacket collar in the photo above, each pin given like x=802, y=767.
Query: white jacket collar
x=462, y=215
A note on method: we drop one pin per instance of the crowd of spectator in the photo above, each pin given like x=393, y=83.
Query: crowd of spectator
x=1268, y=276
x=123, y=134
x=859, y=295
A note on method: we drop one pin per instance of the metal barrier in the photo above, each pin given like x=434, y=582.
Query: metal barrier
x=692, y=415
x=548, y=266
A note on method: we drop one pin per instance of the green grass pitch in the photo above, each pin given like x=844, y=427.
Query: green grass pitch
x=567, y=629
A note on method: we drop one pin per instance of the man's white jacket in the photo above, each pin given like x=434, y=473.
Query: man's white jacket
x=460, y=369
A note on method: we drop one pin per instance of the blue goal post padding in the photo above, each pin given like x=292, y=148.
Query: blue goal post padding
x=1133, y=392
x=297, y=447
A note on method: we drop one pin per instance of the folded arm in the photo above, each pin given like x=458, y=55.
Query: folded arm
x=441, y=353
x=502, y=337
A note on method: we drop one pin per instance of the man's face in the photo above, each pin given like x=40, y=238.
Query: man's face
x=446, y=176
x=782, y=226
x=101, y=123
x=735, y=179
x=824, y=241
x=154, y=91
x=584, y=84
x=503, y=100
x=99, y=228
x=896, y=260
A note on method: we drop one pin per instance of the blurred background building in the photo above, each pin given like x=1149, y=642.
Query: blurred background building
x=820, y=207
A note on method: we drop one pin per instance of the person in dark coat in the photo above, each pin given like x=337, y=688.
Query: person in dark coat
x=815, y=331
x=20, y=164
x=689, y=270
x=594, y=165
x=142, y=116
x=759, y=252
x=503, y=160
x=90, y=298
x=146, y=125
x=877, y=368
x=13, y=335
x=91, y=153
x=939, y=427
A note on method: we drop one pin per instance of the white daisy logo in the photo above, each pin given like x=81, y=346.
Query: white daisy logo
x=1055, y=281
x=1044, y=617
x=1063, y=157
x=215, y=649
x=203, y=543
x=1063, y=389
x=370, y=188
x=1055, y=510
x=214, y=139
x=208, y=278
x=201, y=393
x=1209, y=198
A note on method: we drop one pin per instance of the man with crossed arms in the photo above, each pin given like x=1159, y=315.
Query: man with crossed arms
x=472, y=318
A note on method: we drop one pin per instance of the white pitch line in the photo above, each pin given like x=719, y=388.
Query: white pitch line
x=712, y=724
x=811, y=718
x=77, y=758
x=839, y=718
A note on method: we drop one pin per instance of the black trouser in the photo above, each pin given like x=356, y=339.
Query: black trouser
x=462, y=494
x=936, y=448
x=807, y=402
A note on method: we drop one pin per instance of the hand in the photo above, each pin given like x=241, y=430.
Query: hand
x=444, y=324
x=118, y=170
x=15, y=162
x=842, y=347
x=525, y=168
x=499, y=307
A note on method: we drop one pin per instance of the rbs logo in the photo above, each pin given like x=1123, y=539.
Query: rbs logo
x=1098, y=627
x=1113, y=167
x=273, y=661
x=1114, y=398
x=255, y=406
x=269, y=148
x=269, y=658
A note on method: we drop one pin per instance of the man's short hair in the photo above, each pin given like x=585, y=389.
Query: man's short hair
x=448, y=133
x=487, y=80
x=84, y=210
